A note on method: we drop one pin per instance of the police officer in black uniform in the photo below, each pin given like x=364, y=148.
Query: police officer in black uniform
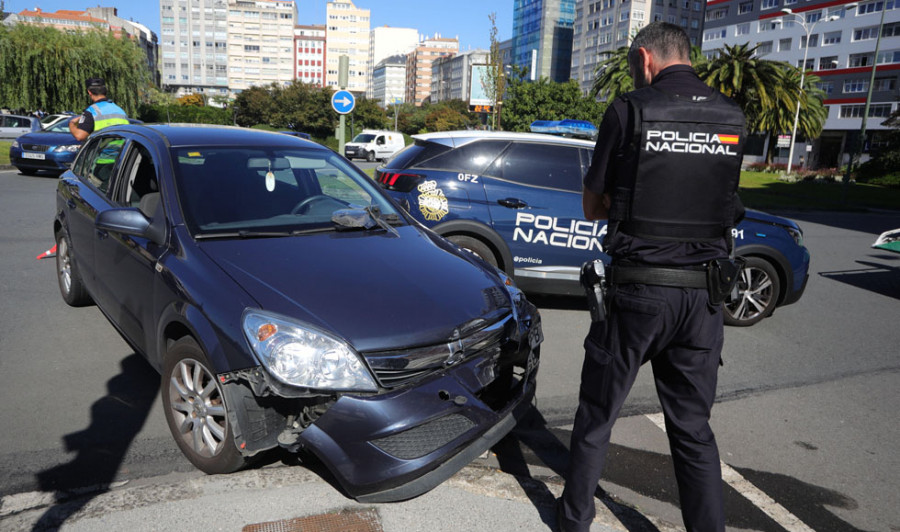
x=665, y=173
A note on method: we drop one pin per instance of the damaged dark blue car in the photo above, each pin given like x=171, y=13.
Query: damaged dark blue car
x=288, y=302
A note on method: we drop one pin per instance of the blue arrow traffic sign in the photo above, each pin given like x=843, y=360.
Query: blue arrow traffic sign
x=343, y=102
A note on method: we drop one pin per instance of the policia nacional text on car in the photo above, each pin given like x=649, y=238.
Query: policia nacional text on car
x=665, y=172
x=100, y=114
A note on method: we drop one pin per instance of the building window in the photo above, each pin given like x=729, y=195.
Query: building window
x=856, y=85
x=885, y=84
x=833, y=37
x=742, y=29
x=865, y=34
x=784, y=45
x=695, y=24
x=828, y=63
x=768, y=4
x=745, y=7
x=765, y=26
x=813, y=41
x=826, y=86
x=810, y=64
x=716, y=14
x=714, y=35
x=860, y=60
x=814, y=16
x=857, y=110
x=890, y=56
x=764, y=48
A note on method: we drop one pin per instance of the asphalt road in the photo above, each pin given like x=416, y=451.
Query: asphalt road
x=807, y=398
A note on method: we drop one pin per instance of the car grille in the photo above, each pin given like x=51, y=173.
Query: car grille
x=35, y=147
x=419, y=441
x=395, y=368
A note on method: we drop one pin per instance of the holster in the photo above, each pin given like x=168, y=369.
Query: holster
x=722, y=276
x=593, y=280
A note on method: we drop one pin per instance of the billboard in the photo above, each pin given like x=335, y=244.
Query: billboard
x=478, y=95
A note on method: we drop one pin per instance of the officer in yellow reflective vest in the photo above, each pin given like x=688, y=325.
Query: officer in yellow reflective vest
x=100, y=114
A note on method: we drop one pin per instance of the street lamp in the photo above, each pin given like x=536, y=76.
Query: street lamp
x=808, y=30
x=862, y=130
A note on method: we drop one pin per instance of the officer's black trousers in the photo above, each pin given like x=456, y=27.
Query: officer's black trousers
x=681, y=335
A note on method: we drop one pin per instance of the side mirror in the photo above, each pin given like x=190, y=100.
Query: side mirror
x=130, y=221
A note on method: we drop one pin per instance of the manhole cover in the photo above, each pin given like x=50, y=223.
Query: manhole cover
x=345, y=521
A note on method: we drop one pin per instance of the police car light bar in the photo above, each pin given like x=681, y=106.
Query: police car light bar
x=567, y=127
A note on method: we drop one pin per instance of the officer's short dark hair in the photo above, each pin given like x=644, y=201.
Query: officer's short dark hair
x=666, y=41
x=96, y=86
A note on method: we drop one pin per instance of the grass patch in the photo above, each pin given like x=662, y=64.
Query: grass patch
x=4, y=151
x=761, y=190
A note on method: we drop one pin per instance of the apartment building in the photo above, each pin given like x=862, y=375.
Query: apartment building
x=260, y=42
x=451, y=75
x=385, y=42
x=347, y=33
x=309, y=54
x=388, y=81
x=837, y=39
x=542, y=38
x=419, y=65
x=603, y=26
x=193, y=46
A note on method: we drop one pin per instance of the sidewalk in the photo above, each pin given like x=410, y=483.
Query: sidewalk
x=294, y=499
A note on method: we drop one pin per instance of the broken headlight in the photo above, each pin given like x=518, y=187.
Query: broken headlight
x=300, y=355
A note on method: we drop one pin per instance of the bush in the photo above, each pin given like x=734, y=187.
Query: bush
x=186, y=114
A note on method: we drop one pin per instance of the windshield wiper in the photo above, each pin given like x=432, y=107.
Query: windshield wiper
x=262, y=234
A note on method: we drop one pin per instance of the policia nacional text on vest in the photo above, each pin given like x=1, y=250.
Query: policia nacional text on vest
x=107, y=114
x=677, y=182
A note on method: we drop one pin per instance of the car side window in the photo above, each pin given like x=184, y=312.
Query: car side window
x=540, y=165
x=472, y=158
x=139, y=178
x=99, y=164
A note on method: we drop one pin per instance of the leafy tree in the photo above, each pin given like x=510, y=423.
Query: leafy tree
x=44, y=68
x=546, y=100
x=494, y=79
x=194, y=99
x=612, y=78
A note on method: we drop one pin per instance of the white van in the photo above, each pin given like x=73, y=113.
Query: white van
x=374, y=144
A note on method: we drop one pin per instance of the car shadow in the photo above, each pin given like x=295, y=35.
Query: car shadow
x=873, y=223
x=116, y=420
x=650, y=474
x=558, y=302
x=875, y=277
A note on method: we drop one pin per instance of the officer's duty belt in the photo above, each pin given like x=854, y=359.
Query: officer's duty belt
x=657, y=276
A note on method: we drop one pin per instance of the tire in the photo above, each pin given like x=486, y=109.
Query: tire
x=71, y=287
x=755, y=295
x=195, y=409
x=370, y=156
x=477, y=247
x=27, y=171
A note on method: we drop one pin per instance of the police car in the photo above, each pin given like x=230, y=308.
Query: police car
x=514, y=199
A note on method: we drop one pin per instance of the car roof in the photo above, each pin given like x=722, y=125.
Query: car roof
x=20, y=116
x=178, y=135
x=460, y=138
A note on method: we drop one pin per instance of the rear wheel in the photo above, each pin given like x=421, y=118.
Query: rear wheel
x=477, y=247
x=71, y=286
x=370, y=156
x=195, y=410
x=756, y=294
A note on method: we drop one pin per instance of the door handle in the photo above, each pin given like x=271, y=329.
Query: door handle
x=512, y=203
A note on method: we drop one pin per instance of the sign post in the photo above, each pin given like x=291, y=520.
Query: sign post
x=343, y=101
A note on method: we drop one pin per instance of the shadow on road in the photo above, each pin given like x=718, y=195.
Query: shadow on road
x=875, y=277
x=873, y=223
x=651, y=475
x=116, y=419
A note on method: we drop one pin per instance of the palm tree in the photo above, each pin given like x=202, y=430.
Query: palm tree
x=612, y=77
x=779, y=118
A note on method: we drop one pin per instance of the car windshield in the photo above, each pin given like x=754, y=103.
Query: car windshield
x=249, y=192
x=364, y=138
x=59, y=127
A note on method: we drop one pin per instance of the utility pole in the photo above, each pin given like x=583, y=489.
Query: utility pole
x=343, y=76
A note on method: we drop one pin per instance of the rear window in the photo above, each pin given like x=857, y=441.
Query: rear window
x=472, y=158
x=415, y=154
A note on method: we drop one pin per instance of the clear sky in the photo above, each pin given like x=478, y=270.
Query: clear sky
x=465, y=19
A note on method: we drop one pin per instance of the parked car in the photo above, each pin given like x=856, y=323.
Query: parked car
x=374, y=144
x=49, y=121
x=296, y=134
x=52, y=149
x=514, y=199
x=11, y=126
x=288, y=302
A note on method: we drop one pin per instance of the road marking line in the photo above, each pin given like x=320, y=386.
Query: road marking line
x=777, y=512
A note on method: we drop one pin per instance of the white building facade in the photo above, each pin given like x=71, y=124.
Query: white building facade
x=309, y=54
x=260, y=42
x=385, y=42
x=347, y=33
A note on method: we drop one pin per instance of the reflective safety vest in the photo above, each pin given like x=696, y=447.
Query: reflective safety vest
x=107, y=114
x=679, y=174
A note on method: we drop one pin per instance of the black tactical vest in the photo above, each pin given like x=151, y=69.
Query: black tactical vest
x=678, y=175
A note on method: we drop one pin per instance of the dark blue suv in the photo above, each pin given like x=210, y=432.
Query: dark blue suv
x=289, y=303
x=514, y=199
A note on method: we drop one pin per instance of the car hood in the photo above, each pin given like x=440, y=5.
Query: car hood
x=377, y=291
x=759, y=216
x=48, y=138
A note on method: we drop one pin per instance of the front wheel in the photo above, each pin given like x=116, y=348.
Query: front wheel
x=756, y=294
x=476, y=247
x=370, y=156
x=195, y=410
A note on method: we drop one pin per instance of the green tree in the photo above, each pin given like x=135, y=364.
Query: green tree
x=44, y=68
x=546, y=100
x=612, y=78
x=494, y=79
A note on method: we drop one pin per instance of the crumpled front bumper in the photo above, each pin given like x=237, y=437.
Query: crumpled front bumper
x=398, y=445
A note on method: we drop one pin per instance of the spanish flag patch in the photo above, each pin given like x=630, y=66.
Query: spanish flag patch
x=728, y=139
